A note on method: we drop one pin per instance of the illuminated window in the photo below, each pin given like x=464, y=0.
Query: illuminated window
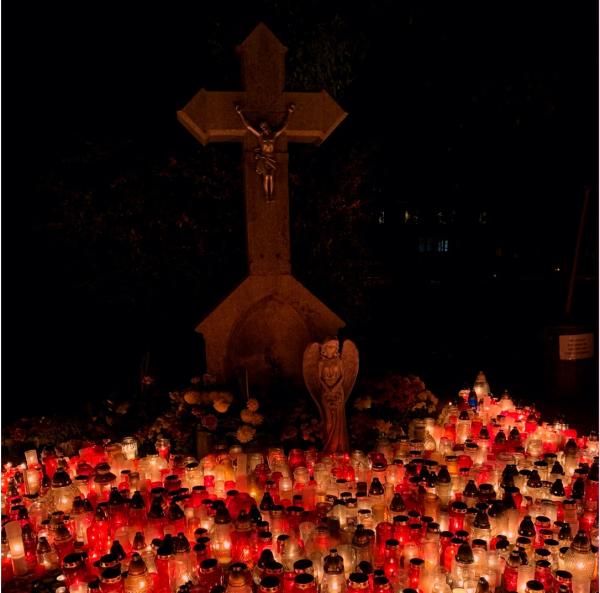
x=432, y=245
x=442, y=246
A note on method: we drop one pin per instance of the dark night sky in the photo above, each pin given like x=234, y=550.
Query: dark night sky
x=483, y=71
x=489, y=106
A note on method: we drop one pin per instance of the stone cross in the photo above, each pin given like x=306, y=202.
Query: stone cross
x=212, y=117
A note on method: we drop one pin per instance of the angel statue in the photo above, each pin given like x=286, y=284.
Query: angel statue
x=329, y=376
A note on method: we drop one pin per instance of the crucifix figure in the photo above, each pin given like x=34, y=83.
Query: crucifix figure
x=266, y=322
x=265, y=160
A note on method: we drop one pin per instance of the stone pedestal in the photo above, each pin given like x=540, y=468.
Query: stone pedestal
x=264, y=326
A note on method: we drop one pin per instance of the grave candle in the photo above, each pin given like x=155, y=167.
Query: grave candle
x=305, y=583
x=47, y=557
x=415, y=571
x=103, y=481
x=138, y=578
x=31, y=458
x=221, y=536
x=129, y=446
x=111, y=581
x=579, y=559
x=17, y=549
x=285, y=489
x=32, y=480
x=581, y=585
x=74, y=570
x=193, y=475
x=526, y=573
x=163, y=447
x=412, y=493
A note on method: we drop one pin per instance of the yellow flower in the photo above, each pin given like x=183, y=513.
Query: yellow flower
x=253, y=404
x=221, y=405
x=251, y=417
x=192, y=397
x=383, y=426
x=245, y=433
x=221, y=400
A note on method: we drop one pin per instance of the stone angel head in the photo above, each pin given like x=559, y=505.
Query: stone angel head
x=330, y=348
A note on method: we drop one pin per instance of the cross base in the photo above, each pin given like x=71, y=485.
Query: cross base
x=263, y=326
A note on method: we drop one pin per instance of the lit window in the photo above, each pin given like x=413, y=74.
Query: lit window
x=442, y=246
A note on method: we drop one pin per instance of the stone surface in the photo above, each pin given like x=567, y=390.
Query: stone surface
x=265, y=324
x=330, y=375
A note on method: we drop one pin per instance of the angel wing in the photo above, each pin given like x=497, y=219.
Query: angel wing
x=349, y=365
x=310, y=372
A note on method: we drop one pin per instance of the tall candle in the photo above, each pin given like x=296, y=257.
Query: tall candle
x=32, y=480
x=17, y=549
x=31, y=458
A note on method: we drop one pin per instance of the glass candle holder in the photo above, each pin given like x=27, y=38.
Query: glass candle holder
x=254, y=459
x=32, y=480
x=581, y=585
x=306, y=529
x=103, y=481
x=579, y=559
x=62, y=493
x=17, y=549
x=457, y=513
x=296, y=459
x=129, y=446
x=74, y=570
x=163, y=447
x=525, y=573
x=111, y=580
x=138, y=578
x=31, y=458
x=83, y=485
x=193, y=475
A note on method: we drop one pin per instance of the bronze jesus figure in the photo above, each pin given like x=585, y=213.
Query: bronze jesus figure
x=264, y=152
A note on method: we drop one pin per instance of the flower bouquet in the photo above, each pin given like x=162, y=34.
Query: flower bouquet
x=386, y=407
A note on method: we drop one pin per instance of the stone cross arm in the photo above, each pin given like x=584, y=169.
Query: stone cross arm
x=211, y=117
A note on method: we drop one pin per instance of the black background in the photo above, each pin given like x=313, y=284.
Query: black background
x=487, y=107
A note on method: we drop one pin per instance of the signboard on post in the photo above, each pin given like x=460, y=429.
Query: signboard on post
x=576, y=347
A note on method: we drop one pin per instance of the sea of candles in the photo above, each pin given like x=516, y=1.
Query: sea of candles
x=485, y=498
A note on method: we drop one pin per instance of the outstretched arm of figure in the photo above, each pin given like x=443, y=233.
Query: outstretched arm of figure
x=291, y=108
x=247, y=125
